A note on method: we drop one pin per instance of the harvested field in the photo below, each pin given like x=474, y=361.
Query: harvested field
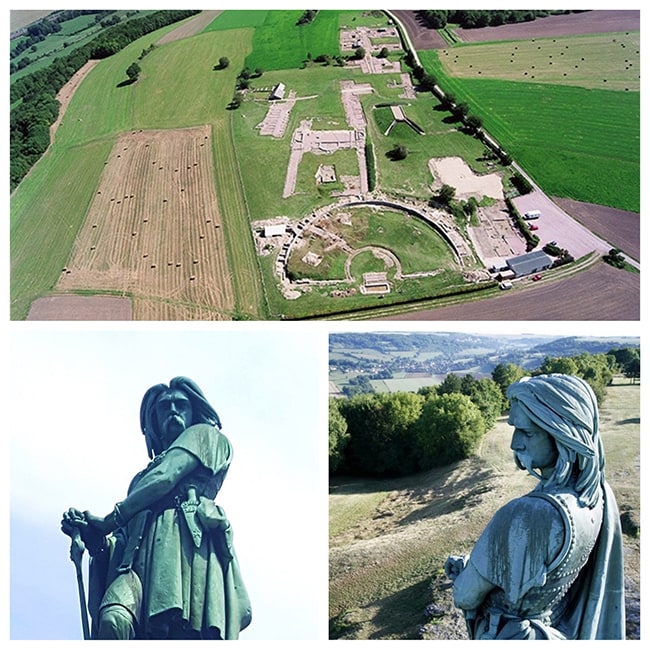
x=587, y=22
x=456, y=172
x=153, y=228
x=422, y=37
x=620, y=228
x=574, y=298
x=70, y=307
x=191, y=27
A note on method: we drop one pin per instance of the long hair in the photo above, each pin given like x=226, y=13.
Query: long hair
x=202, y=411
x=565, y=407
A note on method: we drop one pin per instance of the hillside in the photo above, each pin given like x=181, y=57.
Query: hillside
x=411, y=360
x=389, y=539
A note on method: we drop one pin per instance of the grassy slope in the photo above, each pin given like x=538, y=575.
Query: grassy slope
x=99, y=111
x=575, y=142
x=389, y=539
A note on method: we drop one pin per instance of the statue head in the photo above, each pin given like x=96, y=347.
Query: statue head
x=565, y=408
x=167, y=410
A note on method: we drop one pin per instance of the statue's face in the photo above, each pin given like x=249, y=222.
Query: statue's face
x=533, y=447
x=174, y=415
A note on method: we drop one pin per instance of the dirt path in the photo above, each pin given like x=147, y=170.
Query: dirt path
x=191, y=27
x=66, y=93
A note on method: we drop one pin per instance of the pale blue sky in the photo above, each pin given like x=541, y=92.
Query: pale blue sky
x=75, y=441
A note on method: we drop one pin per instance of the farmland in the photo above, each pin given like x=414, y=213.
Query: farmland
x=558, y=104
x=156, y=197
x=67, y=179
x=243, y=178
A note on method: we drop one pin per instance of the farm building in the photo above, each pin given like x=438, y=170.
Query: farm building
x=278, y=91
x=530, y=263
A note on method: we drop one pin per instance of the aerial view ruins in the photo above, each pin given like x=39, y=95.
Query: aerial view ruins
x=290, y=165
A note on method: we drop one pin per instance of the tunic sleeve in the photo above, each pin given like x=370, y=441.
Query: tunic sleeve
x=518, y=545
x=208, y=444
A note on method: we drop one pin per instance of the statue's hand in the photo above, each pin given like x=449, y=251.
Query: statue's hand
x=85, y=523
x=454, y=566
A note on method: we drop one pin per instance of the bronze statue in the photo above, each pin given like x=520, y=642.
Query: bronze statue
x=549, y=564
x=162, y=562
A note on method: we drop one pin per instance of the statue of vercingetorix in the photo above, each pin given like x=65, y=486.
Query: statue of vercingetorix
x=549, y=565
x=162, y=562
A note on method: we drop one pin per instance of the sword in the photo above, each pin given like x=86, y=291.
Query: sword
x=76, y=554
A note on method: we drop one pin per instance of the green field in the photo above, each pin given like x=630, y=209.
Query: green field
x=576, y=141
x=74, y=33
x=605, y=61
x=416, y=245
x=52, y=201
x=280, y=44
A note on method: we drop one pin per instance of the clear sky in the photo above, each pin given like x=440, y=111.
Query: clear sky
x=76, y=441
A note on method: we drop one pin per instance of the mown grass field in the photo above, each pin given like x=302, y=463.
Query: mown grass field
x=63, y=181
x=389, y=539
x=280, y=44
x=605, y=61
x=47, y=212
x=573, y=135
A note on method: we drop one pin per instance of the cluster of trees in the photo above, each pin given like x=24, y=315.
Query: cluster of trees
x=521, y=183
x=371, y=169
x=242, y=83
x=33, y=97
x=307, y=17
x=133, y=72
x=244, y=77
x=531, y=238
x=398, y=151
x=146, y=50
x=34, y=34
x=395, y=434
x=472, y=18
x=460, y=110
x=615, y=258
x=327, y=59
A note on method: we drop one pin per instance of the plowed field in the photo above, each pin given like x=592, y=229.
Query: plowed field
x=153, y=229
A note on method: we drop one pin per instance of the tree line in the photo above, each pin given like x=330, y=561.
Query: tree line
x=474, y=18
x=401, y=433
x=33, y=97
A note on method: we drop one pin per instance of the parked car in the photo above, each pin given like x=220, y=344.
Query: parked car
x=532, y=226
x=537, y=277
